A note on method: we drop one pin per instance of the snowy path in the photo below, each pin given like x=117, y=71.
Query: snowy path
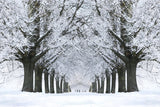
x=19, y=99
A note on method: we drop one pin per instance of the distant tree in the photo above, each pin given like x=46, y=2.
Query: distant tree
x=57, y=84
x=52, y=77
x=102, y=84
x=107, y=73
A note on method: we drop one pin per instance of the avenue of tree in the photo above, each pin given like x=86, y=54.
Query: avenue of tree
x=38, y=33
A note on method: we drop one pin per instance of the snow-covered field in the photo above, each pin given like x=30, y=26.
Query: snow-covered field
x=16, y=98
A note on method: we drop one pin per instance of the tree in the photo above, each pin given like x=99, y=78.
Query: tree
x=38, y=78
x=98, y=84
x=66, y=86
x=57, y=84
x=94, y=86
x=46, y=83
x=107, y=73
x=121, y=78
x=120, y=30
x=61, y=83
x=52, y=77
x=102, y=84
x=131, y=58
x=113, y=88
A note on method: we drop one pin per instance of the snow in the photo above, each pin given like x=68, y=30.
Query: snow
x=14, y=98
x=149, y=95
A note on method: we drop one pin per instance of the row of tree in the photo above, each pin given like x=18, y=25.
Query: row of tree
x=53, y=82
x=125, y=53
x=109, y=78
x=26, y=39
x=38, y=32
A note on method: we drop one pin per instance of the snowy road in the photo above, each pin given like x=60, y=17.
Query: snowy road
x=19, y=99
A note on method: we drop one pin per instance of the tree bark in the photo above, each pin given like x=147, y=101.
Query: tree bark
x=57, y=85
x=61, y=85
x=131, y=75
x=69, y=89
x=113, y=82
x=46, y=82
x=121, y=80
x=28, y=75
x=90, y=89
x=98, y=83
x=65, y=89
x=94, y=87
x=38, y=78
x=51, y=83
x=102, y=85
x=108, y=83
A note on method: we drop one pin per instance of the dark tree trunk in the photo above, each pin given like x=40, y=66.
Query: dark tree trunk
x=65, y=89
x=121, y=79
x=38, y=78
x=102, y=85
x=90, y=89
x=113, y=82
x=51, y=83
x=108, y=83
x=94, y=87
x=46, y=82
x=69, y=89
x=28, y=75
x=57, y=85
x=131, y=75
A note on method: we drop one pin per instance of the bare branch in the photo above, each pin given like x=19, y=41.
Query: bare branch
x=140, y=52
x=116, y=37
x=155, y=60
x=24, y=33
x=43, y=37
x=4, y=60
x=61, y=12
x=123, y=58
x=97, y=8
x=40, y=55
x=136, y=33
x=19, y=52
x=77, y=8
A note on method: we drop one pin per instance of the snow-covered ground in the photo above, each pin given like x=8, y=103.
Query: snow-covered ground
x=148, y=96
x=16, y=98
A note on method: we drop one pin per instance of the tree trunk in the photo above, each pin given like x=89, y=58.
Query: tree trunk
x=102, y=85
x=90, y=89
x=69, y=89
x=51, y=83
x=108, y=83
x=121, y=80
x=98, y=83
x=28, y=75
x=131, y=75
x=38, y=78
x=94, y=87
x=46, y=82
x=61, y=85
x=113, y=82
x=57, y=85
x=65, y=89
